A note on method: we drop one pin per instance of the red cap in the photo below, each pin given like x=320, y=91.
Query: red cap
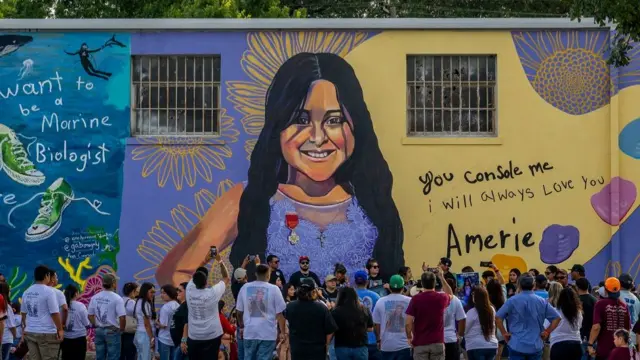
x=303, y=257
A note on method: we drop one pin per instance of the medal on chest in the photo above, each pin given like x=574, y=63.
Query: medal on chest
x=291, y=221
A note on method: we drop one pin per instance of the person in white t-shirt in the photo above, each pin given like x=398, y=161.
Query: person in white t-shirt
x=389, y=318
x=130, y=292
x=144, y=311
x=204, y=329
x=74, y=345
x=41, y=317
x=166, y=347
x=53, y=283
x=107, y=314
x=480, y=327
x=7, y=321
x=454, y=320
x=566, y=343
x=258, y=307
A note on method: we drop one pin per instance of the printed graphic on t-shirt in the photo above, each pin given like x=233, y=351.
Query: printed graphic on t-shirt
x=102, y=310
x=258, y=297
x=631, y=305
x=615, y=315
x=367, y=302
x=70, y=317
x=394, y=313
x=32, y=306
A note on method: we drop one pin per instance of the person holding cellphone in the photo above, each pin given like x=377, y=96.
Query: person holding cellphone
x=204, y=328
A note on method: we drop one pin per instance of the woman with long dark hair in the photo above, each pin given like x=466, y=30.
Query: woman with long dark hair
x=497, y=297
x=144, y=310
x=353, y=321
x=565, y=339
x=512, y=285
x=480, y=331
x=7, y=321
x=130, y=292
x=318, y=184
x=166, y=346
x=289, y=293
x=74, y=345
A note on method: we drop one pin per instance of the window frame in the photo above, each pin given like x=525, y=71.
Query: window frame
x=215, y=84
x=489, y=83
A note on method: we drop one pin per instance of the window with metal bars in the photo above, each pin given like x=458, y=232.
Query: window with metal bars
x=176, y=95
x=451, y=96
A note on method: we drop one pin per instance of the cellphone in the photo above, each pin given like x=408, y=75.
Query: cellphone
x=433, y=269
x=213, y=251
x=252, y=257
x=486, y=264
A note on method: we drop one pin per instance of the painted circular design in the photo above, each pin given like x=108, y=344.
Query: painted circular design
x=573, y=80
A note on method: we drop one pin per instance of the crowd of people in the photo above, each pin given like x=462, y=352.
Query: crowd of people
x=555, y=315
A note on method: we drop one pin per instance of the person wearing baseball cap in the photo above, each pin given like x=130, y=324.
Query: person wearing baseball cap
x=369, y=299
x=609, y=315
x=525, y=313
x=390, y=324
x=331, y=288
x=111, y=306
x=578, y=272
x=309, y=323
x=633, y=304
x=445, y=266
x=304, y=272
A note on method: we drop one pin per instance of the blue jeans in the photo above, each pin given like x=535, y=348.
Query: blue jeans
x=332, y=349
x=516, y=355
x=143, y=345
x=107, y=344
x=166, y=351
x=240, y=344
x=5, y=349
x=482, y=354
x=347, y=353
x=16, y=341
x=374, y=353
x=258, y=349
x=404, y=354
x=178, y=355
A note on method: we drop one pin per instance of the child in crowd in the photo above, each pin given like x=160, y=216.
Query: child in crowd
x=622, y=351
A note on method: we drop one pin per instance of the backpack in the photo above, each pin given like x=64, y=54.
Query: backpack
x=131, y=321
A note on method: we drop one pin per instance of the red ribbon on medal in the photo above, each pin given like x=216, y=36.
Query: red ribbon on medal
x=291, y=221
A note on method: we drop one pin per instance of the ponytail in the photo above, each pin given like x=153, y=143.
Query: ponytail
x=69, y=293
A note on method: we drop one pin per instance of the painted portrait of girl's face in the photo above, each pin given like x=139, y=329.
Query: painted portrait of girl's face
x=320, y=137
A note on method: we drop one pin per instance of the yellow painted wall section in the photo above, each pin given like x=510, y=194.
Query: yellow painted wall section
x=530, y=131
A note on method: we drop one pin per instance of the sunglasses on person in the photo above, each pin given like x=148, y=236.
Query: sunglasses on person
x=304, y=263
x=547, y=272
x=374, y=266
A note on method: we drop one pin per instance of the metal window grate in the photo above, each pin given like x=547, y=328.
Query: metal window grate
x=451, y=96
x=176, y=95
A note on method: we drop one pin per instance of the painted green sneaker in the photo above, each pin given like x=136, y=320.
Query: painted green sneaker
x=54, y=201
x=14, y=159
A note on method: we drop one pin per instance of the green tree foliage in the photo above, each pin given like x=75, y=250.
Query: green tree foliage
x=431, y=8
x=120, y=9
x=624, y=13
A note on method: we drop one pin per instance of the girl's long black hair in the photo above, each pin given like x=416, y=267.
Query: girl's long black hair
x=570, y=305
x=142, y=299
x=365, y=174
x=69, y=293
x=5, y=299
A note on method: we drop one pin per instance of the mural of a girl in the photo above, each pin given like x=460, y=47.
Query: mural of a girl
x=317, y=186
